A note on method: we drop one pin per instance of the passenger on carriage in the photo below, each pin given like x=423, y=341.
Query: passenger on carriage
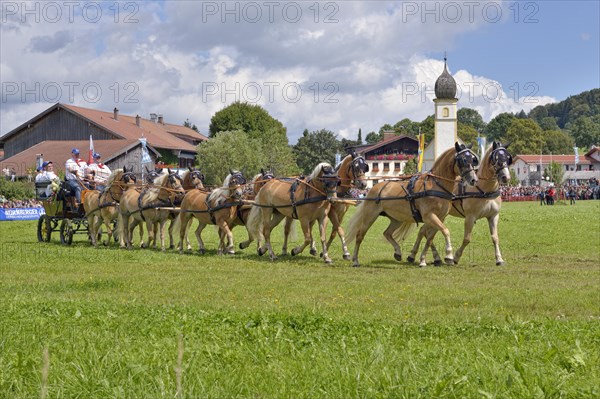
x=74, y=174
x=98, y=172
x=47, y=175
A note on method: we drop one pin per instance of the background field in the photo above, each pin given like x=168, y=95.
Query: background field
x=112, y=320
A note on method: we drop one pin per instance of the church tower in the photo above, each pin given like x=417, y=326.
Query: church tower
x=446, y=122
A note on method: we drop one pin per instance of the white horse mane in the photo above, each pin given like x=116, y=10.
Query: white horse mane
x=113, y=176
x=220, y=194
x=317, y=170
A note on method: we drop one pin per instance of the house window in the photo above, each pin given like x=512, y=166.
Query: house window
x=591, y=167
x=567, y=168
x=578, y=167
x=518, y=171
x=375, y=181
x=445, y=112
x=375, y=166
x=386, y=166
x=397, y=166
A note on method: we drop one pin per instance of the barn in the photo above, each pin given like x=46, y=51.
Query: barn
x=53, y=133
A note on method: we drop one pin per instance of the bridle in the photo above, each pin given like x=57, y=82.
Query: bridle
x=466, y=160
x=500, y=159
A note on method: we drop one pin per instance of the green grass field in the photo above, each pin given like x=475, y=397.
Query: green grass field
x=147, y=324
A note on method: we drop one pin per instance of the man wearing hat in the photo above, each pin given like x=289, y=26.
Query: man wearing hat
x=98, y=172
x=46, y=174
x=74, y=173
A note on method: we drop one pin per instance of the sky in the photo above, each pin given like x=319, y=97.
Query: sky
x=337, y=65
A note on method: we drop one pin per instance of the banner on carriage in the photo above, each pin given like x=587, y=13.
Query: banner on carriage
x=11, y=214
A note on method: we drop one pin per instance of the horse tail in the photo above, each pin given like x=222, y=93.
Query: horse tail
x=403, y=231
x=366, y=213
x=254, y=224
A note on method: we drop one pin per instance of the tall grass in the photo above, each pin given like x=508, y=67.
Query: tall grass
x=143, y=323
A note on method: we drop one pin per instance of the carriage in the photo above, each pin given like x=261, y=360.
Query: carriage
x=60, y=215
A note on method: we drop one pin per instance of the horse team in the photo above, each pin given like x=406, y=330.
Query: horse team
x=455, y=185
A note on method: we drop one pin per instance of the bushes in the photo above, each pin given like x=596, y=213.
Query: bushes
x=18, y=190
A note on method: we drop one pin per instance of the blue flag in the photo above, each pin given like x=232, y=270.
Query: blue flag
x=145, y=155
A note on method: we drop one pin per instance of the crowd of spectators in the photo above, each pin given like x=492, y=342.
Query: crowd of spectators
x=531, y=193
x=27, y=203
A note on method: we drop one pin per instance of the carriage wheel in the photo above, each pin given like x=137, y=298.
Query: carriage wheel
x=44, y=229
x=66, y=232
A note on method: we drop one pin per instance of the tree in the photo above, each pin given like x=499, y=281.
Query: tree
x=359, y=139
x=407, y=127
x=428, y=128
x=557, y=142
x=471, y=117
x=229, y=150
x=514, y=180
x=555, y=172
x=410, y=167
x=585, y=130
x=467, y=134
x=525, y=136
x=385, y=128
x=496, y=129
x=373, y=138
x=257, y=124
x=187, y=123
x=548, y=123
x=315, y=147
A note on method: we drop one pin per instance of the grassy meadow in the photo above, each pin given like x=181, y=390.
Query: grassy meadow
x=95, y=323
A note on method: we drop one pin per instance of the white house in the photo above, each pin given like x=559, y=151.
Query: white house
x=529, y=169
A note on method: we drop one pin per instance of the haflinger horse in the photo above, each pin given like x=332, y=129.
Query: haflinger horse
x=306, y=199
x=143, y=206
x=474, y=203
x=425, y=197
x=351, y=171
x=218, y=207
x=102, y=207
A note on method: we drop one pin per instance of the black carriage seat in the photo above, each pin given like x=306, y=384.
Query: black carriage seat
x=40, y=189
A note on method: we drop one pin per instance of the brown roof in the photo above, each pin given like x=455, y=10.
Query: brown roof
x=59, y=151
x=386, y=142
x=158, y=135
x=546, y=159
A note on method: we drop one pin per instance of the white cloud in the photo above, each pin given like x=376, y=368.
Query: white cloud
x=368, y=68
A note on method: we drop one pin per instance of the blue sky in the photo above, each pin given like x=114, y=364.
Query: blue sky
x=377, y=60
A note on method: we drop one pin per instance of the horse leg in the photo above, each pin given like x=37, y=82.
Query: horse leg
x=336, y=226
x=433, y=220
x=226, y=231
x=437, y=260
x=91, y=220
x=493, y=223
x=389, y=235
x=323, y=234
x=171, y=227
x=198, y=232
x=313, y=244
x=286, y=234
x=267, y=247
x=305, y=225
x=162, y=224
x=124, y=241
x=469, y=223
x=184, y=218
x=413, y=252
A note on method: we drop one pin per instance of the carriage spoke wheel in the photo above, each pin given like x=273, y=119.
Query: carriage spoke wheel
x=66, y=232
x=44, y=229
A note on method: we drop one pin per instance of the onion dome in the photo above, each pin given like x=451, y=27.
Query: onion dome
x=445, y=85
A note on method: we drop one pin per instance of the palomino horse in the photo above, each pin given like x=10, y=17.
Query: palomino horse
x=142, y=206
x=102, y=207
x=481, y=201
x=217, y=207
x=425, y=197
x=306, y=200
x=351, y=171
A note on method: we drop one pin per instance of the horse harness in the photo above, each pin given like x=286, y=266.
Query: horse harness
x=306, y=200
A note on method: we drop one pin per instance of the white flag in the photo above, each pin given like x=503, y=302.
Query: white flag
x=145, y=155
x=576, y=155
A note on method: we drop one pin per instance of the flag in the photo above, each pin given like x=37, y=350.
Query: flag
x=91, y=153
x=576, y=155
x=481, y=141
x=421, y=152
x=145, y=155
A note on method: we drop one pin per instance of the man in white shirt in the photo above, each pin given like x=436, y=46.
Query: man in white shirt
x=99, y=172
x=47, y=175
x=74, y=173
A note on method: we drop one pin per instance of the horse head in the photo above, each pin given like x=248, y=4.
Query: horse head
x=500, y=160
x=174, y=184
x=358, y=168
x=327, y=178
x=466, y=160
x=236, y=184
x=128, y=177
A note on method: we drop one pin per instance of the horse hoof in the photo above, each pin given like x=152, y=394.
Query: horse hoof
x=163, y=250
x=328, y=261
x=500, y=263
x=313, y=252
x=422, y=264
x=410, y=259
x=346, y=257
x=231, y=252
x=456, y=261
x=320, y=254
x=398, y=257
x=449, y=261
x=171, y=246
x=356, y=264
x=437, y=262
x=261, y=252
x=202, y=251
x=273, y=258
x=241, y=247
